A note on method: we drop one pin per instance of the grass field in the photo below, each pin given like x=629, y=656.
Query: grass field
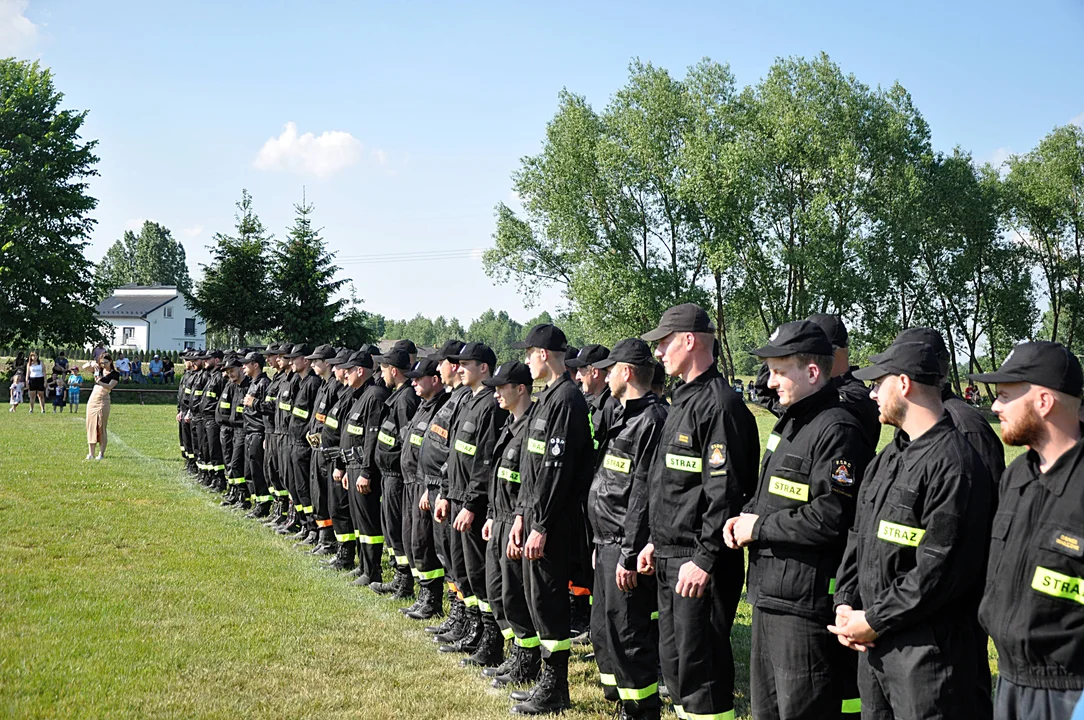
x=125, y=591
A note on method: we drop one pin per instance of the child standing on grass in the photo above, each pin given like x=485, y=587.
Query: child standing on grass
x=17, y=386
x=59, y=392
x=75, y=379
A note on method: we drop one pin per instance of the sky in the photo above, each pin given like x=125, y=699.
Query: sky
x=403, y=122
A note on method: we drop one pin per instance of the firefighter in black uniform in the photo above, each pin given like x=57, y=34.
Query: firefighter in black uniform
x=704, y=471
x=321, y=535
x=238, y=496
x=195, y=418
x=465, y=493
x=254, y=429
x=273, y=472
x=1034, y=602
x=332, y=500
x=554, y=468
x=332, y=444
x=284, y=405
x=363, y=476
x=591, y=378
x=302, y=406
x=417, y=520
x=853, y=393
x=212, y=388
x=624, y=634
x=390, y=441
x=223, y=413
x=913, y=568
x=504, y=563
x=796, y=529
x=184, y=402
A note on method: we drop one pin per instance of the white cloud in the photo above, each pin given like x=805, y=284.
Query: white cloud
x=380, y=156
x=1078, y=120
x=134, y=224
x=192, y=232
x=308, y=154
x=18, y=35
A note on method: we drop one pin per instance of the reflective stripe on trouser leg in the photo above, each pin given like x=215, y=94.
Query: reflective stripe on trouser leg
x=391, y=516
x=473, y=548
x=504, y=586
x=254, y=466
x=545, y=584
x=365, y=513
x=423, y=550
x=318, y=469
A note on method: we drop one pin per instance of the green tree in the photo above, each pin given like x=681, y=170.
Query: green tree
x=46, y=292
x=498, y=331
x=304, y=276
x=356, y=327
x=234, y=296
x=149, y=258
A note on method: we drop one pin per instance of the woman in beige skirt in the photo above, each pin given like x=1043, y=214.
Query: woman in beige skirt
x=105, y=379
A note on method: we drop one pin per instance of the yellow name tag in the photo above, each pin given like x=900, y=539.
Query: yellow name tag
x=508, y=474
x=900, y=534
x=465, y=448
x=536, y=446
x=685, y=463
x=1057, y=585
x=416, y=439
x=616, y=464
x=388, y=440
x=788, y=489
x=354, y=429
x=332, y=423
x=773, y=441
x=301, y=413
x=223, y=404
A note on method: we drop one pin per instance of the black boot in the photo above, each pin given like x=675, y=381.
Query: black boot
x=490, y=651
x=260, y=510
x=303, y=531
x=629, y=711
x=386, y=588
x=457, y=620
x=230, y=496
x=274, y=513
x=218, y=483
x=524, y=671
x=431, y=604
x=291, y=525
x=455, y=615
x=405, y=591
x=418, y=603
x=505, y=667
x=472, y=634
x=550, y=694
x=327, y=545
x=244, y=500
x=344, y=558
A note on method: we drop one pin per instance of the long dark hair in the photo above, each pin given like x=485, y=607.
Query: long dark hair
x=107, y=358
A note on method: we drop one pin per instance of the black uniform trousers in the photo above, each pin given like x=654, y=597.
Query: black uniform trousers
x=272, y=467
x=469, y=559
x=365, y=514
x=923, y=672
x=694, y=635
x=338, y=508
x=391, y=510
x=182, y=437
x=235, y=461
x=441, y=537
x=216, y=462
x=625, y=633
x=254, y=465
x=319, y=470
x=581, y=576
x=297, y=476
x=799, y=671
x=504, y=587
x=198, y=438
x=418, y=539
x=225, y=439
x=545, y=584
x=1019, y=702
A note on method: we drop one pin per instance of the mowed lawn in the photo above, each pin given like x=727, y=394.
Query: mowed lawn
x=125, y=591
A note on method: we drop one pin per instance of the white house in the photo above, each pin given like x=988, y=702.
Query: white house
x=151, y=317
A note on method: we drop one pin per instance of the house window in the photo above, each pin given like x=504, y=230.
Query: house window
x=167, y=312
x=126, y=334
x=189, y=345
x=190, y=327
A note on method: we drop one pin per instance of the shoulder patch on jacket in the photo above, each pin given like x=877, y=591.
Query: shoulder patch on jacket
x=716, y=455
x=842, y=473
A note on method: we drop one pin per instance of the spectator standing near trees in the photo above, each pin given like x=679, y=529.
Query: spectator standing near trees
x=35, y=380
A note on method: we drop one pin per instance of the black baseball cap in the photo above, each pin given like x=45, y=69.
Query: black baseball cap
x=300, y=350
x=544, y=336
x=589, y=355
x=833, y=327
x=274, y=348
x=341, y=356
x=426, y=367
x=322, y=352
x=801, y=336
x=932, y=338
x=254, y=357
x=1048, y=364
x=213, y=354
x=450, y=347
x=632, y=351
x=916, y=360
x=476, y=351
x=396, y=357
x=687, y=317
x=659, y=378
x=406, y=345
x=358, y=359
x=232, y=362
x=510, y=373
x=571, y=352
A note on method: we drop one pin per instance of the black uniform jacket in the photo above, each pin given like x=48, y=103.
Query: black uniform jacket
x=284, y=401
x=917, y=551
x=391, y=438
x=704, y=471
x=269, y=406
x=854, y=396
x=1034, y=602
x=334, y=419
x=184, y=391
x=212, y=388
x=809, y=480
x=303, y=406
x=254, y=413
x=617, y=502
x=224, y=406
x=433, y=457
x=505, y=479
x=471, y=461
x=362, y=424
x=415, y=436
x=556, y=462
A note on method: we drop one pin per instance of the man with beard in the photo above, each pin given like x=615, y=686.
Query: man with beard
x=1034, y=602
x=908, y=584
